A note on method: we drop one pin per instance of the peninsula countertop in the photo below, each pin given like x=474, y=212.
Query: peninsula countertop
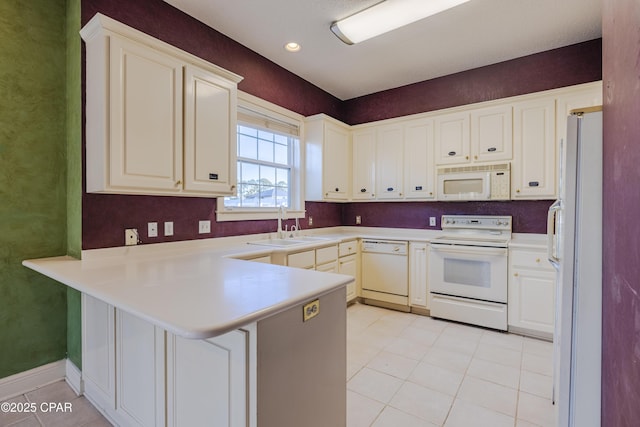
x=195, y=294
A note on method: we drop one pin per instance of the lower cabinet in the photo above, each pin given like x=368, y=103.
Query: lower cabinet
x=531, y=308
x=348, y=265
x=418, y=277
x=136, y=372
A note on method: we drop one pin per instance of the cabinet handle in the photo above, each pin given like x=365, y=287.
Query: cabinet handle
x=363, y=190
x=389, y=188
x=452, y=153
x=337, y=189
x=233, y=187
x=491, y=149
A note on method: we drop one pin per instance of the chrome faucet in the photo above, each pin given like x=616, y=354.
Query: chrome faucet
x=282, y=212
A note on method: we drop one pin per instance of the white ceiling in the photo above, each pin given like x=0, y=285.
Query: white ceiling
x=477, y=33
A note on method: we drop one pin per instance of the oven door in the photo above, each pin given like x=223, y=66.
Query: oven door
x=469, y=271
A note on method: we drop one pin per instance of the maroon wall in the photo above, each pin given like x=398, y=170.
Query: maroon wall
x=621, y=228
x=566, y=66
x=528, y=216
x=105, y=216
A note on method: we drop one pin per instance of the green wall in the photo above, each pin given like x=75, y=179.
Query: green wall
x=33, y=181
x=74, y=172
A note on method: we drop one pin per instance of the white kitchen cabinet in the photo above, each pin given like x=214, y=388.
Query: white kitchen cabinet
x=98, y=352
x=419, y=164
x=389, y=162
x=305, y=259
x=364, y=164
x=348, y=265
x=586, y=96
x=452, y=138
x=533, y=172
x=418, y=274
x=492, y=133
x=328, y=159
x=210, y=133
x=140, y=371
x=159, y=120
x=208, y=381
x=531, y=307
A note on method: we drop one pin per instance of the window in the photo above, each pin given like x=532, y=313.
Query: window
x=268, y=160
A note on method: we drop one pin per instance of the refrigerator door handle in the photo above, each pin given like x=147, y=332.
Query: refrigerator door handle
x=552, y=234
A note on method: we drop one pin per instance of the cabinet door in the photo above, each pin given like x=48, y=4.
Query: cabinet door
x=145, y=149
x=336, y=163
x=306, y=259
x=364, y=164
x=98, y=351
x=492, y=134
x=418, y=285
x=419, y=165
x=588, y=97
x=532, y=300
x=533, y=174
x=389, y=162
x=330, y=267
x=452, y=139
x=348, y=265
x=207, y=381
x=140, y=375
x=210, y=133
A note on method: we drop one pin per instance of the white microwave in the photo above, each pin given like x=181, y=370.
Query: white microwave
x=486, y=182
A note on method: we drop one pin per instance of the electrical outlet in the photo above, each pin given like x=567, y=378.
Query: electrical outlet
x=358, y=219
x=432, y=221
x=131, y=236
x=310, y=221
x=310, y=310
x=152, y=229
x=168, y=228
x=204, y=227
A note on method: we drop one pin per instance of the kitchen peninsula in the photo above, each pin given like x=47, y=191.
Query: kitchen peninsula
x=187, y=336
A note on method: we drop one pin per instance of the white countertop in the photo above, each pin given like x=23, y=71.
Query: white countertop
x=196, y=290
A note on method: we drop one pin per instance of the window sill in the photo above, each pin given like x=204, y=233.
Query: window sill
x=254, y=215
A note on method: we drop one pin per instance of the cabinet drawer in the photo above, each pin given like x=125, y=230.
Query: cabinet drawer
x=348, y=248
x=301, y=259
x=530, y=259
x=325, y=255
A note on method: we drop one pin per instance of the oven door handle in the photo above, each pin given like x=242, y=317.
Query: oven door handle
x=470, y=250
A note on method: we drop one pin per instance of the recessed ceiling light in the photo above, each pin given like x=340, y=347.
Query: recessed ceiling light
x=292, y=47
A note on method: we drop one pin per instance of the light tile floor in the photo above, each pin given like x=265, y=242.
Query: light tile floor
x=409, y=370
x=78, y=413
x=403, y=370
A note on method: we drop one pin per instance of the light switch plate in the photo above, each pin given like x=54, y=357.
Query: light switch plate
x=204, y=227
x=432, y=221
x=358, y=219
x=168, y=228
x=152, y=229
x=310, y=310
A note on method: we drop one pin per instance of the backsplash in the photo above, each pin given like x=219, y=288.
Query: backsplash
x=529, y=216
x=107, y=215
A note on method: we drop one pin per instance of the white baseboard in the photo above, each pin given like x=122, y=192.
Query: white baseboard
x=74, y=377
x=32, y=379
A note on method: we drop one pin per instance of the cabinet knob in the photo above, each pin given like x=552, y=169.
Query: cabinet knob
x=518, y=190
x=537, y=259
x=515, y=274
x=466, y=157
x=400, y=194
x=475, y=157
x=178, y=183
x=326, y=194
x=431, y=193
x=337, y=189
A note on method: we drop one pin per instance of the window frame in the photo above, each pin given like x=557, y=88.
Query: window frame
x=296, y=180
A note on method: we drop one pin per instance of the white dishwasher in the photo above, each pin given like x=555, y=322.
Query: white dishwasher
x=385, y=273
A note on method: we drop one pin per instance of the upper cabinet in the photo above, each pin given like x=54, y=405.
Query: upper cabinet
x=419, y=170
x=328, y=159
x=533, y=175
x=479, y=135
x=159, y=120
x=389, y=162
x=364, y=164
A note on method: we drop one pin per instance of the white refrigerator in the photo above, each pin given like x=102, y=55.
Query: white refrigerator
x=574, y=230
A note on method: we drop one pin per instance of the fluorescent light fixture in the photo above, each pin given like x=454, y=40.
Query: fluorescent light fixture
x=387, y=16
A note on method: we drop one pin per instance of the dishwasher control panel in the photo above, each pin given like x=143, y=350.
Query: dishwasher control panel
x=385, y=246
